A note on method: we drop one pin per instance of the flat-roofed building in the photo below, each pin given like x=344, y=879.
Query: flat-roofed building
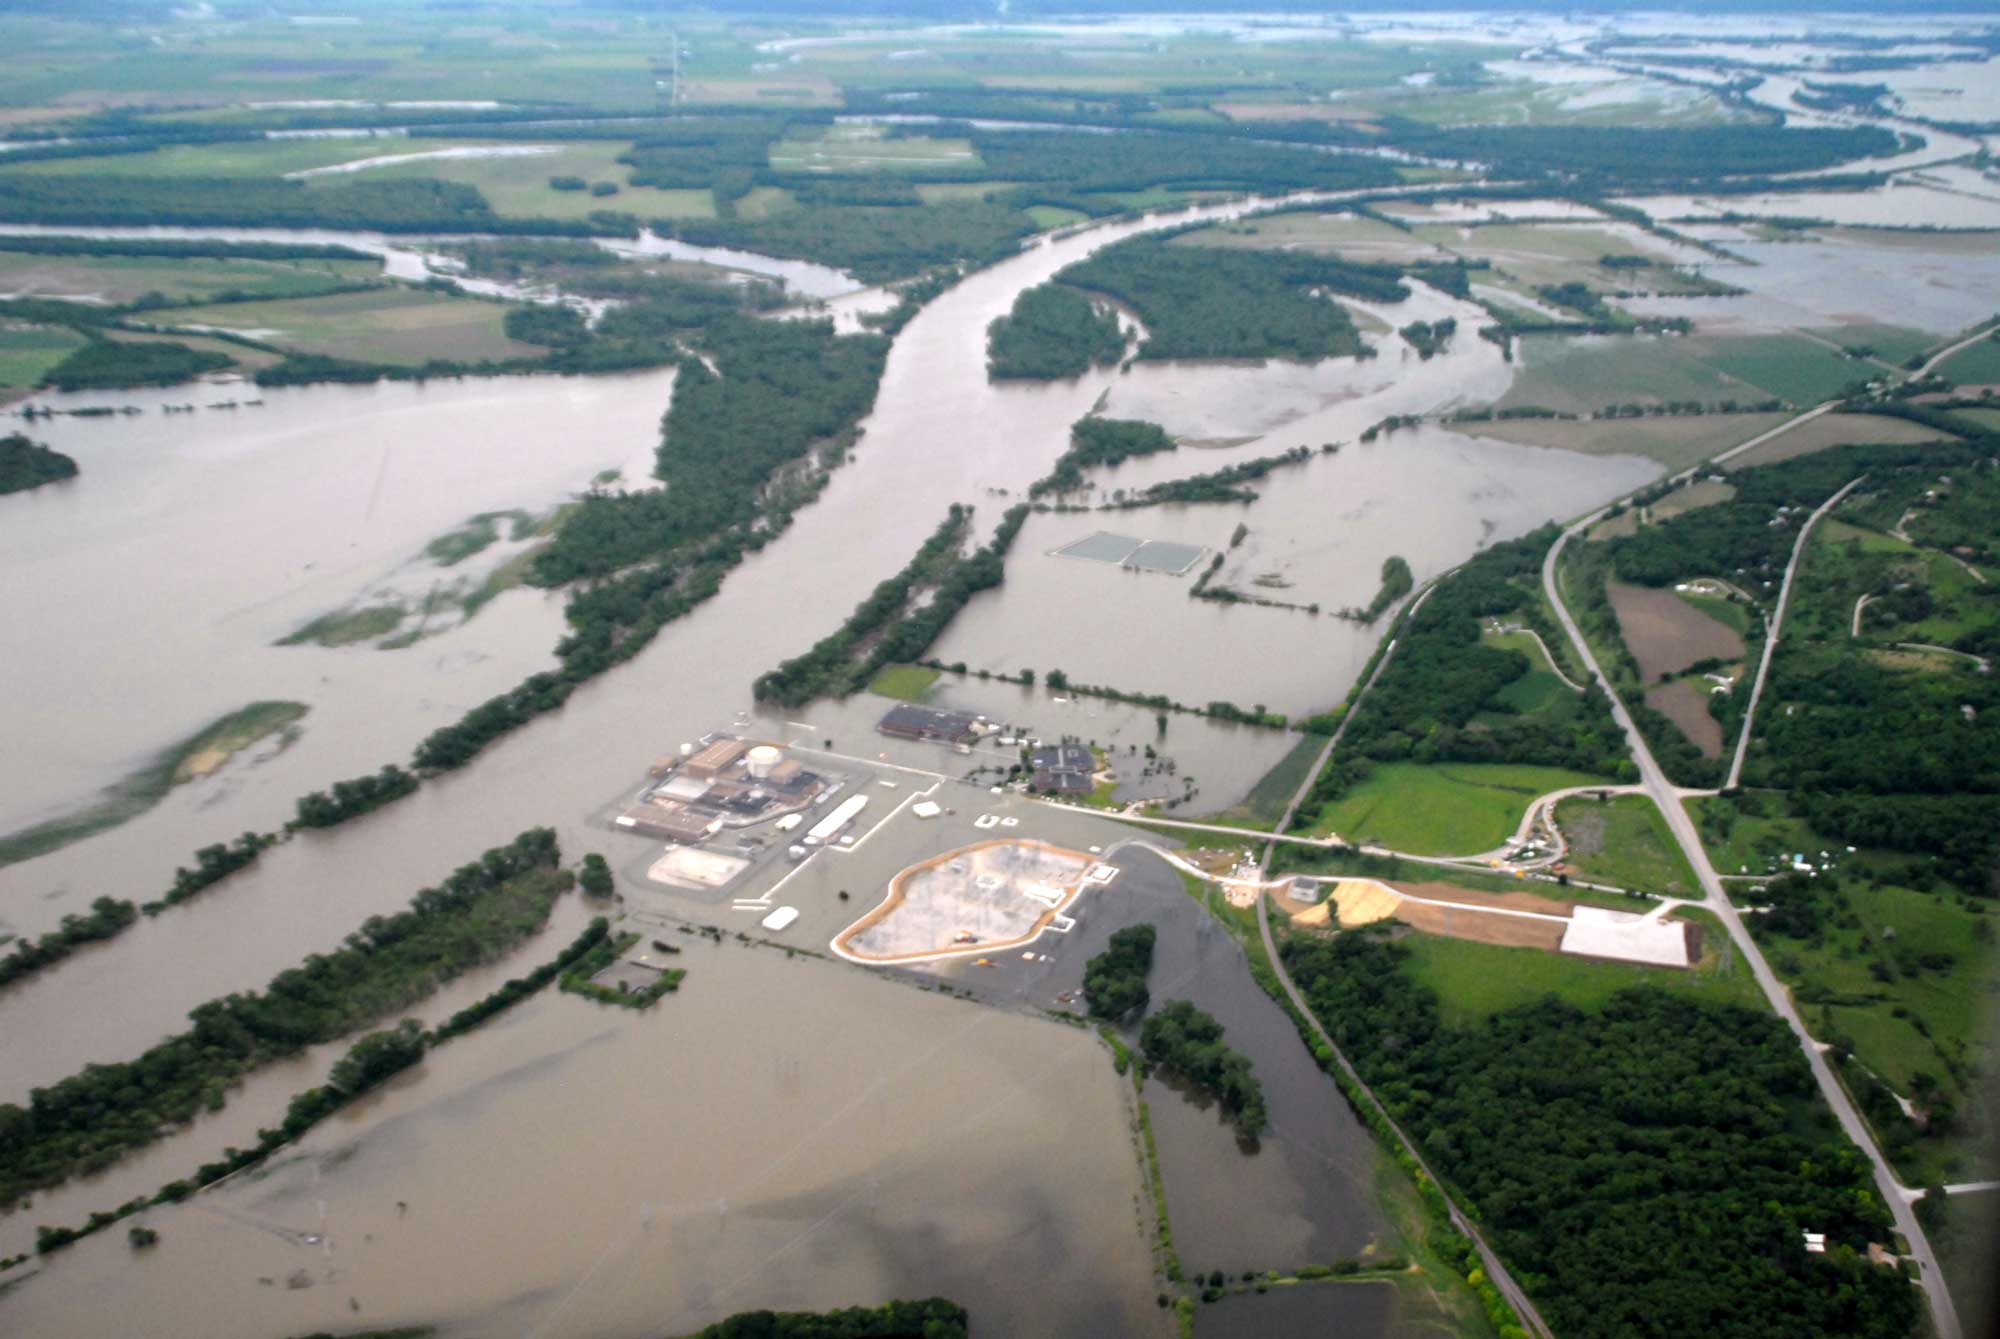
x=712, y=761
x=909, y=721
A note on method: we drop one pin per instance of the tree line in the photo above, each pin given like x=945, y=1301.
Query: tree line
x=26, y=464
x=90, y=1120
x=1052, y=333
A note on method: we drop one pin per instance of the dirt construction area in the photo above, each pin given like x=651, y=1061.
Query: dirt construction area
x=987, y=897
x=1666, y=634
x=1443, y=909
x=1685, y=703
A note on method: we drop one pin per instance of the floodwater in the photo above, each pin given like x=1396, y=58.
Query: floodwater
x=1934, y=282
x=1317, y=535
x=780, y=1133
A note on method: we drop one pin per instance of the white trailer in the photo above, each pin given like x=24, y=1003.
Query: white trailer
x=842, y=815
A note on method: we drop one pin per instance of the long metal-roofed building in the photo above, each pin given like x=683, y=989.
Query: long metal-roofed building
x=907, y=720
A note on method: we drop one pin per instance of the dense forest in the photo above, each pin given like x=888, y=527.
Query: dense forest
x=1439, y=699
x=1648, y=1168
x=26, y=464
x=934, y=1318
x=1209, y=302
x=93, y=1118
x=1052, y=332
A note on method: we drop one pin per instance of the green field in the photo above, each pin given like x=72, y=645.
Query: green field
x=28, y=351
x=1974, y=365
x=1444, y=808
x=1987, y=420
x=1577, y=375
x=386, y=325
x=1047, y=217
x=237, y=158
x=1624, y=841
x=1891, y=343
x=868, y=148
x=1865, y=981
x=908, y=683
x=1788, y=366
x=1475, y=981
x=518, y=187
x=120, y=279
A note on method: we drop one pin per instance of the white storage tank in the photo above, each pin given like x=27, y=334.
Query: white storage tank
x=761, y=760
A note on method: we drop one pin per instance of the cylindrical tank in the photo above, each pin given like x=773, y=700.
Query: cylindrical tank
x=761, y=760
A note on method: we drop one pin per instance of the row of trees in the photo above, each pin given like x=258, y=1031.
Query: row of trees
x=1100, y=442
x=95, y=1117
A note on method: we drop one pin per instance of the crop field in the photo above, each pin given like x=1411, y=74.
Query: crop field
x=1442, y=809
x=1675, y=442
x=1890, y=343
x=908, y=683
x=1691, y=497
x=1974, y=365
x=119, y=279
x=28, y=351
x=1666, y=634
x=1580, y=375
x=240, y=158
x=387, y=325
x=518, y=187
x=1834, y=430
x=1558, y=253
x=1720, y=608
x=1788, y=366
x=1475, y=981
x=1265, y=804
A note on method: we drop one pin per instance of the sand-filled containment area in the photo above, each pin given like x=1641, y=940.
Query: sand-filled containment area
x=983, y=898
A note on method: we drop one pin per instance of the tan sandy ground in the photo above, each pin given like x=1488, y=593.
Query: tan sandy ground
x=844, y=941
x=1666, y=633
x=1363, y=901
x=1356, y=901
x=1451, y=892
x=1685, y=703
x=1836, y=430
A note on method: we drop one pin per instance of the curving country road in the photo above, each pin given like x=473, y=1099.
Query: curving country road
x=1777, y=625
x=1944, y=1316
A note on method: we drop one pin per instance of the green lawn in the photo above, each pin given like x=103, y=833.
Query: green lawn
x=1475, y=981
x=867, y=148
x=1443, y=808
x=910, y=683
x=1753, y=834
x=28, y=351
x=383, y=325
x=1625, y=841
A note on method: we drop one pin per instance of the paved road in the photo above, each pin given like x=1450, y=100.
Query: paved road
x=1944, y=1316
x=1930, y=366
x=1777, y=625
